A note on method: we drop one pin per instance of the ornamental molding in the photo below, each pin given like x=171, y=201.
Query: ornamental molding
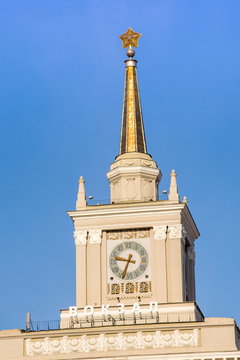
x=133, y=171
x=117, y=342
x=177, y=231
x=133, y=162
x=80, y=237
x=160, y=232
x=128, y=234
x=174, y=231
x=130, y=296
x=95, y=236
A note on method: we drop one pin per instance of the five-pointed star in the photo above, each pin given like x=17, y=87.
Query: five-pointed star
x=130, y=38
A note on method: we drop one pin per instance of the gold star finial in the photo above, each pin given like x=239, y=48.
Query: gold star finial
x=130, y=38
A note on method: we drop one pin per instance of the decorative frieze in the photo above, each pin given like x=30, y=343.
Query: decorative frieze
x=128, y=234
x=80, y=237
x=134, y=162
x=112, y=342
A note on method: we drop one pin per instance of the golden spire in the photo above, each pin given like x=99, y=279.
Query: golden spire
x=132, y=133
x=130, y=38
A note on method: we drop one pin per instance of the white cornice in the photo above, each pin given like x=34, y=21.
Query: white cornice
x=189, y=224
x=133, y=170
x=104, y=214
x=127, y=210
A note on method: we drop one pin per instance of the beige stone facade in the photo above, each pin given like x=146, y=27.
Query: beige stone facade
x=168, y=229
x=135, y=276
x=213, y=338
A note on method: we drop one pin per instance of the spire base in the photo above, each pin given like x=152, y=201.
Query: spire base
x=134, y=177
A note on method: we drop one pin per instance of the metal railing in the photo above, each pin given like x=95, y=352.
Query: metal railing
x=91, y=321
x=44, y=325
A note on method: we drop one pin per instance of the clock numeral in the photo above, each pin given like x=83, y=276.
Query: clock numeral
x=142, y=267
x=137, y=246
x=115, y=269
x=120, y=247
x=137, y=273
x=129, y=276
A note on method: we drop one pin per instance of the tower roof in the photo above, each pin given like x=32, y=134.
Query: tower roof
x=132, y=132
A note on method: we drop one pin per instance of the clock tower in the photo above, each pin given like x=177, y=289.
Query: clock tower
x=135, y=279
x=138, y=248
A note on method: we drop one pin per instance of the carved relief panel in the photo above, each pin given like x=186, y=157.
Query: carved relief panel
x=148, y=189
x=131, y=188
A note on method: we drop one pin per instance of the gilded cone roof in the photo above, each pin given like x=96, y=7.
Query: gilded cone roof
x=132, y=133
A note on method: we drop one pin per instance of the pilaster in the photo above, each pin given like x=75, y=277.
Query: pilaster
x=160, y=264
x=88, y=265
x=81, y=267
x=175, y=264
x=94, y=267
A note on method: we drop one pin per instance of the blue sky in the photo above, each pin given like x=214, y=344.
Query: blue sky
x=61, y=70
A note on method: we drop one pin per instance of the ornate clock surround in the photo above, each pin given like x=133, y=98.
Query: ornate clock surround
x=137, y=282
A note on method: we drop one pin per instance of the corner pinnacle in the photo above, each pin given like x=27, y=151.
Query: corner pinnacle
x=81, y=198
x=173, y=190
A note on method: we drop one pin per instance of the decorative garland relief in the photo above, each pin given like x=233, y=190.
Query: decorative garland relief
x=103, y=342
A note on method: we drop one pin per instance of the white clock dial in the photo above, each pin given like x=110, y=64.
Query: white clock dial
x=128, y=260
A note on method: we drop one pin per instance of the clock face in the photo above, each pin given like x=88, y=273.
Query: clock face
x=128, y=260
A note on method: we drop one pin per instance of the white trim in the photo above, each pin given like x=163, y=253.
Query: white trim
x=133, y=170
x=128, y=211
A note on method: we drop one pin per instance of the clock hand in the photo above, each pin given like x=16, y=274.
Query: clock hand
x=126, y=267
x=122, y=259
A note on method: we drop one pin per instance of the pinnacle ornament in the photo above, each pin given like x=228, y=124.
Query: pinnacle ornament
x=130, y=38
